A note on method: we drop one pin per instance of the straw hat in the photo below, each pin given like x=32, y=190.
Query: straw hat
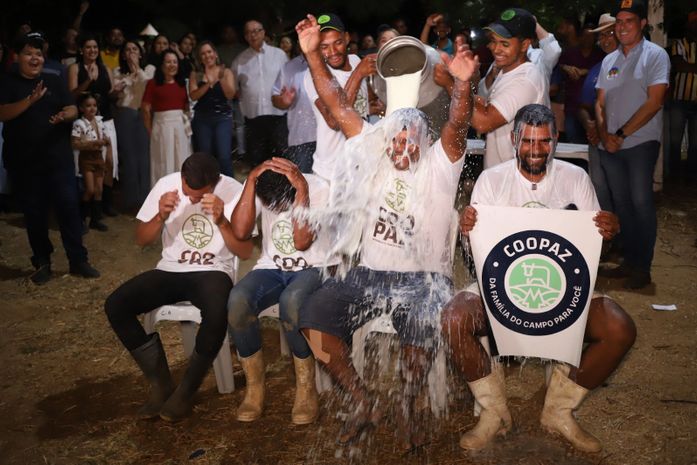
x=606, y=21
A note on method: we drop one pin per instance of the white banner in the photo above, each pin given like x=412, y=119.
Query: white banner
x=536, y=270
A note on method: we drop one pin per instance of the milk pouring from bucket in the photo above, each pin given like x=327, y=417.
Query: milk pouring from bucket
x=405, y=74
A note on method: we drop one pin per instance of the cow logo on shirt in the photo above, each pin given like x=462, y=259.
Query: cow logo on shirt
x=396, y=197
x=282, y=237
x=613, y=73
x=197, y=231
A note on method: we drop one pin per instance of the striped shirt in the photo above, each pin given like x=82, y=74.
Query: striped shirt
x=685, y=83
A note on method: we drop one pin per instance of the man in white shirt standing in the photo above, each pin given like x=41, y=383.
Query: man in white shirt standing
x=289, y=94
x=256, y=69
x=518, y=84
x=189, y=211
x=349, y=72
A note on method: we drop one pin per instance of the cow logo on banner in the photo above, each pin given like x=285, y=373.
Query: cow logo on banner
x=536, y=269
x=535, y=282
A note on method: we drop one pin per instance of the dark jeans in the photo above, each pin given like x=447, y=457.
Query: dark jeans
x=630, y=179
x=37, y=190
x=681, y=113
x=574, y=130
x=206, y=290
x=260, y=289
x=266, y=137
x=134, y=157
x=213, y=135
x=599, y=179
x=302, y=155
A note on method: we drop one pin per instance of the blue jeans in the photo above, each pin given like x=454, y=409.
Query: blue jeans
x=260, y=289
x=213, y=135
x=630, y=179
x=302, y=155
x=681, y=113
x=599, y=178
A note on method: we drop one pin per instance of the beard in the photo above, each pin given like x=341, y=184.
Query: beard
x=534, y=170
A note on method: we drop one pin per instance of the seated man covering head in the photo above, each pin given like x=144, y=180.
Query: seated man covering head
x=403, y=189
x=189, y=211
x=534, y=179
x=287, y=271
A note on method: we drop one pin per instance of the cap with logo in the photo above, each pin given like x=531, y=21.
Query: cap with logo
x=514, y=22
x=638, y=7
x=606, y=21
x=330, y=21
x=34, y=39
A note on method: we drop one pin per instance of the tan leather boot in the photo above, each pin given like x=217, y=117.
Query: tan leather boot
x=251, y=407
x=306, y=405
x=563, y=397
x=494, y=418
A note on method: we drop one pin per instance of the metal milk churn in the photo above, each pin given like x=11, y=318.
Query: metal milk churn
x=406, y=55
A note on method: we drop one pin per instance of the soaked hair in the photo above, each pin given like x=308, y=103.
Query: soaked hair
x=200, y=170
x=534, y=115
x=275, y=191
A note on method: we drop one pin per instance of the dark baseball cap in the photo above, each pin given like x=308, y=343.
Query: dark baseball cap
x=514, y=22
x=638, y=7
x=330, y=21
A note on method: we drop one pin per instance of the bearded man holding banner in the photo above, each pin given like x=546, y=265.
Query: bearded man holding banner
x=534, y=179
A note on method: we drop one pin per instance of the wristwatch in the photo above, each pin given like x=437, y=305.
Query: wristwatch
x=620, y=133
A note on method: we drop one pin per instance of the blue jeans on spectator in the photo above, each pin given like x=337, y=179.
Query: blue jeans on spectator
x=681, y=113
x=213, y=135
x=630, y=178
x=260, y=289
x=599, y=178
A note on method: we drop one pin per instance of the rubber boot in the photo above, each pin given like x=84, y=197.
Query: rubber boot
x=563, y=397
x=152, y=361
x=108, y=201
x=254, y=371
x=494, y=418
x=181, y=401
x=96, y=217
x=84, y=213
x=306, y=405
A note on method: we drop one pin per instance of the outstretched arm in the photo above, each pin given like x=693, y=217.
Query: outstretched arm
x=329, y=91
x=454, y=135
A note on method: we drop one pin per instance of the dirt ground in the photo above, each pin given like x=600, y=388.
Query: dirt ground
x=69, y=391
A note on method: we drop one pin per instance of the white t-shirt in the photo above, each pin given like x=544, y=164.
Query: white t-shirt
x=277, y=248
x=509, y=93
x=413, y=222
x=563, y=185
x=302, y=127
x=190, y=239
x=329, y=141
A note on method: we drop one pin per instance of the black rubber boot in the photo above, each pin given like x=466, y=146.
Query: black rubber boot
x=108, y=201
x=180, y=403
x=152, y=361
x=96, y=217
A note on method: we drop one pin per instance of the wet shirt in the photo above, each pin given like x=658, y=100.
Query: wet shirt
x=563, y=185
x=190, y=239
x=626, y=80
x=412, y=221
x=30, y=141
x=278, y=250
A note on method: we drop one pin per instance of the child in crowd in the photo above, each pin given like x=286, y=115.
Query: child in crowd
x=89, y=138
